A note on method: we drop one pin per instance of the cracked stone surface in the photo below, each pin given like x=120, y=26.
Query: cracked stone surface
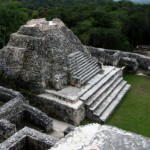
x=97, y=137
x=38, y=52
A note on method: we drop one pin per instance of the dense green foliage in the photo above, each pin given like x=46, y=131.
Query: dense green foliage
x=100, y=23
x=12, y=15
x=133, y=113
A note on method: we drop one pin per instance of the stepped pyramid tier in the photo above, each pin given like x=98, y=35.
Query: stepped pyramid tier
x=38, y=51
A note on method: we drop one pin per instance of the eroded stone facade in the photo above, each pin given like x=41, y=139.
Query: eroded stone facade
x=37, y=53
x=16, y=110
x=133, y=61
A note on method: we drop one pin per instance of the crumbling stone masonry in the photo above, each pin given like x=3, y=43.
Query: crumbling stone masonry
x=27, y=139
x=133, y=61
x=15, y=110
x=6, y=128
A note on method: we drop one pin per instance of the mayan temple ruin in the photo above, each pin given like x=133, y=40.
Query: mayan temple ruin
x=70, y=82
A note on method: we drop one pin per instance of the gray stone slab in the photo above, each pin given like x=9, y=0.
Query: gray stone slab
x=97, y=137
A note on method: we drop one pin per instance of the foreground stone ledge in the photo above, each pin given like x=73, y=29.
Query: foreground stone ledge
x=97, y=137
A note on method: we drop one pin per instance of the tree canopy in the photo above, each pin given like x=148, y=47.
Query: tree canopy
x=100, y=23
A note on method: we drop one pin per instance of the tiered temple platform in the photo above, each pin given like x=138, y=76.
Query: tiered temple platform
x=49, y=59
x=97, y=91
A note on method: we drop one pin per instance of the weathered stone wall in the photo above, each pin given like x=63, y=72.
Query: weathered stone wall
x=17, y=118
x=14, y=103
x=6, y=128
x=38, y=118
x=144, y=61
x=104, y=55
x=33, y=116
x=16, y=111
x=28, y=138
x=11, y=108
x=61, y=111
x=130, y=63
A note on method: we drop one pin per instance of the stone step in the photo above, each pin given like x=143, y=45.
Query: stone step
x=88, y=67
x=90, y=75
x=49, y=97
x=75, y=54
x=79, y=81
x=82, y=74
x=75, y=64
x=84, y=67
x=80, y=59
x=100, y=100
x=104, y=117
x=96, y=79
x=60, y=96
x=87, y=70
x=79, y=66
x=109, y=99
x=100, y=83
x=76, y=58
x=100, y=91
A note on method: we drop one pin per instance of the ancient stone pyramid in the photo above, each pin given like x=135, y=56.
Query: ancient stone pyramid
x=37, y=53
x=49, y=58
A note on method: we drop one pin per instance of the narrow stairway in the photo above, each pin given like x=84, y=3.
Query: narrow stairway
x=104, y=96
x=82, y=68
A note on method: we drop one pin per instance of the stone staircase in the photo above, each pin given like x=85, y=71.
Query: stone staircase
x=100, y=93
x=103, y=97
x=82, y=68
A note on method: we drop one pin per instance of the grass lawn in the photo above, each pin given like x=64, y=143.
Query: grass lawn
x=133, y=114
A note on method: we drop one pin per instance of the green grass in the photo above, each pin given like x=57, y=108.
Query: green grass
x=133, y=114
